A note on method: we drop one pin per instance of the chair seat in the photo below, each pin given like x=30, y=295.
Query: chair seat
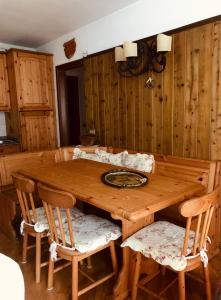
x=42, y=223
x=92, y=232
x=163, y=242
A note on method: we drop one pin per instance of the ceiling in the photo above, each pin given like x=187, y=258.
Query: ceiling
x=32, y=23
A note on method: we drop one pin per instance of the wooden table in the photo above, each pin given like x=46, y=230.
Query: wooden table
x=134, y=207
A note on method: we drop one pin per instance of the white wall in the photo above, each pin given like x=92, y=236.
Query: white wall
x=2, y=124
x=3, y=47
x=139, y=20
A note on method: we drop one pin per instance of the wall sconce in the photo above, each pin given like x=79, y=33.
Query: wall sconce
x=138, y=58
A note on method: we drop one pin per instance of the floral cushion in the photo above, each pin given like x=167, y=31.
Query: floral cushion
x=42, y=223
x=77, y=153
x=162, y=241
x=91, y=232
x=109, y=158
x=140, y=162
x=99, y=155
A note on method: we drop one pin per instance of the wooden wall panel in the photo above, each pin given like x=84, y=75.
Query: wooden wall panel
x=179, y=92
x=122, y=111
x=204, y=92
x=168, y=92
x=216, y=92
x=95, y=94
x=157, y=108
x=147, y=118
x=139, y=115
x=181, y=115
x=101, y=131
x=115, y=104
x=191, y=94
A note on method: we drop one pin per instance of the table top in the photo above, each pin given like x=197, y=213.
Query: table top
x=82, y=178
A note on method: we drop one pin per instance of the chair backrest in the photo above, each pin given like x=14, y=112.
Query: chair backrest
x=25, y=188
x=60, y=224
x=201, y=209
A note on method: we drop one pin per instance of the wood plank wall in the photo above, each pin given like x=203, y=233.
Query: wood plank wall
x=181, y=115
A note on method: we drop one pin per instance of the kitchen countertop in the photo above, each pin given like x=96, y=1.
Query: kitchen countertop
x=8, y=141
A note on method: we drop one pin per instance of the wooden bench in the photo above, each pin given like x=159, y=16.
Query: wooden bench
x=9, y=207
x=196, y=170
x=205, y=172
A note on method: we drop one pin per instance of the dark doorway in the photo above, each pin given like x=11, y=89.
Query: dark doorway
x=73, y=115
x=71, y=107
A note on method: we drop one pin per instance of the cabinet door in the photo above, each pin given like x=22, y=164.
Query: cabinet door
x=34, y=81
x=4, y=88
x=37, y=130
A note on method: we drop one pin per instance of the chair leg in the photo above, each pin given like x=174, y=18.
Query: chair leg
x=136, y=276
x=38, y=258
x=24, y=248
x=181, y=285
x=207, y=281
x=81, y=263
x=74, y=278
x=89, y=264
x=50, y=274
x=163, y=270
x=113, y=257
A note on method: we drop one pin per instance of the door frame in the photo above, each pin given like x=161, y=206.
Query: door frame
x=61, y=94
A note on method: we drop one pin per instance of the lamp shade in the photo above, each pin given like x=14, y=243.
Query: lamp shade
x=119, y=54
x=130, y=49
x=163, y=42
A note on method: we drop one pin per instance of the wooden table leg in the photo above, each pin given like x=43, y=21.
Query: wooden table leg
x=122, y=288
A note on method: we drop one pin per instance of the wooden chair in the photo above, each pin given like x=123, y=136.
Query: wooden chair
x=75, y=241
x=179, y=249
x=34, y=222
x=25, y=189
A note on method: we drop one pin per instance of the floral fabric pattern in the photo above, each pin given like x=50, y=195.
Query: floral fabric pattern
x=91, y=232
x=140, y=162
x=162, y=241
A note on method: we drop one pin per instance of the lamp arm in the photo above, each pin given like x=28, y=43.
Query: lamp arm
x=147, y=59
x=159, y=62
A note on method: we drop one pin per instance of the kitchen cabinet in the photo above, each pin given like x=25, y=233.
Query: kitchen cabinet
x=32, y=79
x=4, y=86
x=37, y=130
x=32, y=117
x=9, y=149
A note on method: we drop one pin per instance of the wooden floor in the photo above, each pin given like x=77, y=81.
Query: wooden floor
x=101, y=265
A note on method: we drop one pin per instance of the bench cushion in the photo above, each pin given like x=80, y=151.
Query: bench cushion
x=138, y=161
